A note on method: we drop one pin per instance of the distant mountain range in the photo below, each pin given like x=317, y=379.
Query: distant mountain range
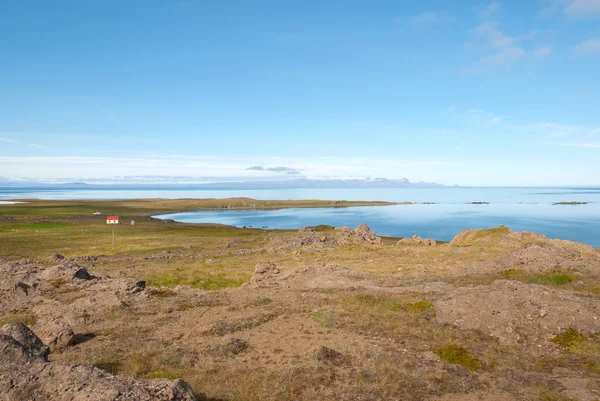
x=284, y=184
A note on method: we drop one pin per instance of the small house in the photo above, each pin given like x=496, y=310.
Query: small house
x=112, y=219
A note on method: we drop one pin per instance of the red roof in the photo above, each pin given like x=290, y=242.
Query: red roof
x=112, y=217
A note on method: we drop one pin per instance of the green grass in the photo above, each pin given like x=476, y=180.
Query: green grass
x=322, y=318
x=391, y=303
x=551, y=278
x=555, y=279
x=35, y=226
x=207, y=282
x=459, y=356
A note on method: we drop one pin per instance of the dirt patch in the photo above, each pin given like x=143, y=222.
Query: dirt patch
x=542, y=258
x=325, y=276
x=517, y=313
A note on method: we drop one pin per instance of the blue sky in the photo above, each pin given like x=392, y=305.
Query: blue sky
x=468, y=93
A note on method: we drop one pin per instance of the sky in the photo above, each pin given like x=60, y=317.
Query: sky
x=501, y=93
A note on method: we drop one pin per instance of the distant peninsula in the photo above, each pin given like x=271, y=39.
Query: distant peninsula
x=232, y=185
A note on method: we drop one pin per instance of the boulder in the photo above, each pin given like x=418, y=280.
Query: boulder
x=57, y=334
x=29, y=342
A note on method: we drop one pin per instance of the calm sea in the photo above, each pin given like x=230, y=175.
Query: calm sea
x=529, y=209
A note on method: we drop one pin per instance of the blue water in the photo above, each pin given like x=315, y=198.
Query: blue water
x=528, y=209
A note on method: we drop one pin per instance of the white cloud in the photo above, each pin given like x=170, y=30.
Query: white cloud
x=429, y=17
x=491, y=8
x=8, y=140
x=582, y=8
x=585, y=145
x=45, y=167
x=542, y=52
x=555, y=130
x=491, y=36
x=505, y=57
x=590, y=46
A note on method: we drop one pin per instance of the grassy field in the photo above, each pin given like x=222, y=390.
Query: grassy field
x=192, y=326
x=147, y=207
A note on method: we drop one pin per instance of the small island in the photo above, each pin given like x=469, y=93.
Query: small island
x=570, y=203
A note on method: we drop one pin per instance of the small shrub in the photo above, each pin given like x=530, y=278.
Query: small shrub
x=322, y=318
x=459, y=356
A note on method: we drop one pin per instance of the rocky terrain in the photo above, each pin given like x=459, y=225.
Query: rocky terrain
x=322, y=314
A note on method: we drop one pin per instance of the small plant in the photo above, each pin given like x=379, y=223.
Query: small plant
x=322, y=318
x=459, y=356
x=570, y=339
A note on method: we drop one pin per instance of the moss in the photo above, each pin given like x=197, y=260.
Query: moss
x=322, y=317
x=555, y=279
x=459, y=356
x=511, y=273
x=570, y=339
x=420, y=306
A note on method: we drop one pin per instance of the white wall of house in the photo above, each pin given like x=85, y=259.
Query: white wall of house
x=112, y=221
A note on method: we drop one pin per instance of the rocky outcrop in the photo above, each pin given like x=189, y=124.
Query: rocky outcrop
x=360, y=235
x=26, y=374
x=517, y=313
x=263, y=272
x=415, y=239
x=364, y=233
x=66, y=273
